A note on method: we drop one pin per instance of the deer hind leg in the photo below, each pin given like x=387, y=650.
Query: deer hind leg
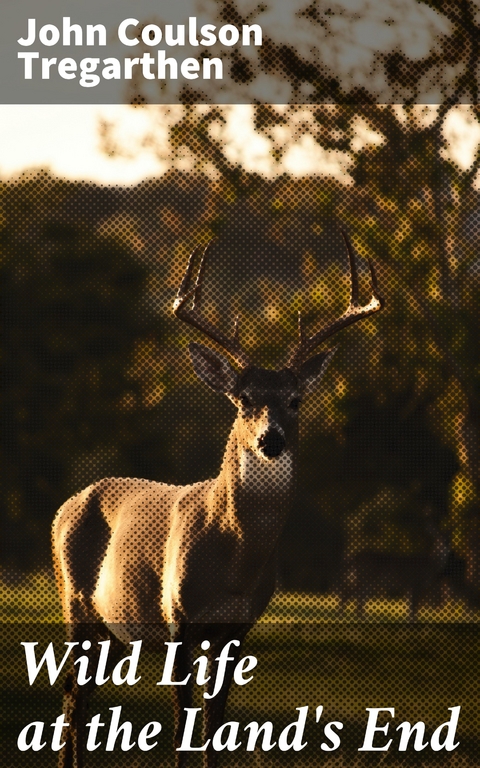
x=82, y=625
x=80, y=537
x=76, y=697
x=75, y=701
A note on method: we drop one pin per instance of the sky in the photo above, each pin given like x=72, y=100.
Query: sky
x=65, y=139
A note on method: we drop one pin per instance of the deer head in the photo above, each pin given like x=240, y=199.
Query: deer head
x=267, y=401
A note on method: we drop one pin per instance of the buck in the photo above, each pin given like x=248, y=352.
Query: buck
x=195, y=563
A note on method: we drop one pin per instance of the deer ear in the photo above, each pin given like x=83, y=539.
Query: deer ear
x=213, y=368
x=312, y=371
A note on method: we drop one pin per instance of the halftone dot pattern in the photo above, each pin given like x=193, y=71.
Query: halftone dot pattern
x=179, y=526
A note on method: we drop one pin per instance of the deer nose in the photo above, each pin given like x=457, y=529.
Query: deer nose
x=271, y=443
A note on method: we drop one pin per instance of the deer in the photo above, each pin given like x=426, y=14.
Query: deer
x=136, y=558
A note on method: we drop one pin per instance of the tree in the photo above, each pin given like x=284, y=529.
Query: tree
x=73, y=321
x=416, y=210
x=410, y=205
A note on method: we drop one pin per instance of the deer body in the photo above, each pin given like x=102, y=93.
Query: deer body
x=204, y=550
x=192, y=563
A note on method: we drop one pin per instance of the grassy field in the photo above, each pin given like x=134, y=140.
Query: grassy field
x=36, y=600
x=309, y=654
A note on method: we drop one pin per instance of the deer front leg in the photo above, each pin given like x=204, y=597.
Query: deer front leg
x=183, y=694
x=214, y=708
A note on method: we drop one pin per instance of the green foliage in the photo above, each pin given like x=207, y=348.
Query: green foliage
x=409, y=206
x=97, y=378
x=73, y=314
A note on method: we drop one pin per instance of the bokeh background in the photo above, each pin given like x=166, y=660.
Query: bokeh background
x=96, y=379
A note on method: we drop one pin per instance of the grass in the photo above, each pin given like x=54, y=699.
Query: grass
x=307, y=608
x=309, y=654
x=36, y=600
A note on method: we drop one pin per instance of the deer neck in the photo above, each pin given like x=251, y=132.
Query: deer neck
x=251, y=486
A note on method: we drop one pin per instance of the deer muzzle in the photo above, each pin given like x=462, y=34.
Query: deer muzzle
x=271, y=443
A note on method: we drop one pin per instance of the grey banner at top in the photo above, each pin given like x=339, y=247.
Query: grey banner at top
x=234, y=51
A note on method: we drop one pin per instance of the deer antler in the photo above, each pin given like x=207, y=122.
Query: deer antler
x=354, y=313
x=193, y=316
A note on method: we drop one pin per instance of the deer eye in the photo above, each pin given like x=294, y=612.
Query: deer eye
x=294, y=404
x=245, y=401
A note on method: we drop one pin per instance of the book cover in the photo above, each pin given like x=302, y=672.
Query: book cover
x=240, y=443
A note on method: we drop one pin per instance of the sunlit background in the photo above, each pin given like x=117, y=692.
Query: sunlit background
x=67, y=141
x=97, y=379
x=275, y=182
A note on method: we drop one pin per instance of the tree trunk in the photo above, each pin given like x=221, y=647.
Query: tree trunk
x=469, y=453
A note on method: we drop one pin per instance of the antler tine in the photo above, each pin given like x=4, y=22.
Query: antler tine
x=197, y=295
x=354, y=291
x=236, y=329
x=193, y=317
x=354, y=313
x=185, y=284
x=301, y=331
x=373, y=279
